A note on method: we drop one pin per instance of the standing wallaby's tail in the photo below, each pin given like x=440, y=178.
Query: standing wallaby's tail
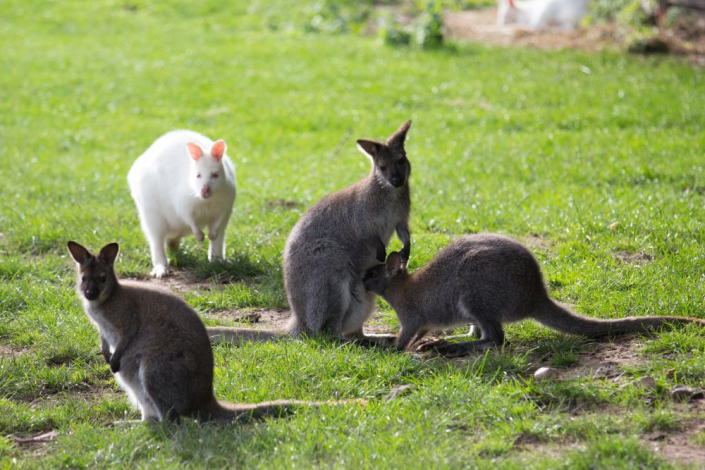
x=224, y=334
x=553, y=315
x=244, y=413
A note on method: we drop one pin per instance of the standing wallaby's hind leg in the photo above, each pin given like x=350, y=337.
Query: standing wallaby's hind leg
x=164, y=387
x=492, y=336
x=216, y=235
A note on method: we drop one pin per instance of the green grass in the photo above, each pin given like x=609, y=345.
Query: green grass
x=534, y=144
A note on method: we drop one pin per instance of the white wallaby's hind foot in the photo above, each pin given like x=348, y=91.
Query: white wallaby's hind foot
x=159, y=271
x=183, y=184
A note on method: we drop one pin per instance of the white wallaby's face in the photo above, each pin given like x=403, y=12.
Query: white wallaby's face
x=207, y=172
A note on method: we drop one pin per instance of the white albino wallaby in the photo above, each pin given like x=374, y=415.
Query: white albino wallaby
x=542, y=14
x=183, y=184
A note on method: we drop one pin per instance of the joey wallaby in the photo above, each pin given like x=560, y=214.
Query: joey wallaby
x=182, y=184
x=488, y=280
x=343, y=235
x=156, y=345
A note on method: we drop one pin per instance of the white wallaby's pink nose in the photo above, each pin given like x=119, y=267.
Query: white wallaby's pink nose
x=206, y=192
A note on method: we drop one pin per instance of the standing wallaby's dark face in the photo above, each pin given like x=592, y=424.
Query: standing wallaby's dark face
x=389, y=158
x=377, y=278
x=96, y=276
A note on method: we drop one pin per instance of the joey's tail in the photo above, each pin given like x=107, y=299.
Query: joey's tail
x=245, y=413
x=555, y=316
x=223, y=334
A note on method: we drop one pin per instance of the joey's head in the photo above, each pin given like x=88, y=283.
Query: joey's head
x=389, y=158
x=96, y=276
x=379, y=277
x=207, y=172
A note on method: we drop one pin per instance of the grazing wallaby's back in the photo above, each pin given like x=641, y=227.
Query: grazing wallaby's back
x=156, y=345
x=341, y=236
x=488, y=280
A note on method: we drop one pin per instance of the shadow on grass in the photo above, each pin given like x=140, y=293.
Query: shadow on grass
x=241, y=267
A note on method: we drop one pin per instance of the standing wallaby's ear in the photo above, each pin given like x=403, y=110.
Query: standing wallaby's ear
x=194, y=150
x=109, y=252
x=393, y=264
x=369, y=147
x=399, y=136
x=78, y=252
x=218, y=149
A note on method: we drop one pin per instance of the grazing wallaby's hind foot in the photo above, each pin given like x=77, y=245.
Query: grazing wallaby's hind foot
x=450, y=350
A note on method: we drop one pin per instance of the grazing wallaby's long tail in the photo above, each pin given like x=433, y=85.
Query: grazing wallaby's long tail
x=244, y=413
x=224, y=334
x=555, y=316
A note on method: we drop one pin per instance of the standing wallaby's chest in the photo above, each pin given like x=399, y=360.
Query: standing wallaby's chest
x=106, y=328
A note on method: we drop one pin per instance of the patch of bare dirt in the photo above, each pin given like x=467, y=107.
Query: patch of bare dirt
x=536, y=241
x=678, y=445
x=278, y=319
x=606, y=360
x=260, y=319
x=283, y=203
x=634, y=258
x=686, y=38
x=180, y=281
x=9, y=351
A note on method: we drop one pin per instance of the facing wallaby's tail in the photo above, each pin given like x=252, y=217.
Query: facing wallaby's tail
x=244, y=413
x=553, y=315
x=224, y=334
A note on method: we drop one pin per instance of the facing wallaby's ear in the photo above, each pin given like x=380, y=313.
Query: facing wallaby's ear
x=218, y=149
x=109, y=252
x=369, y=147
x=399, y=136
x=78, y=252
x=393, y=264
x=194, y=150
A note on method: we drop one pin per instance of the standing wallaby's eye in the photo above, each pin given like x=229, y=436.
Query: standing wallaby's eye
x=102, y=278
x=214, y=175
x=401, y=161
x=372, y=274
x=198, y=175
x=83, y=278
x=383, y=168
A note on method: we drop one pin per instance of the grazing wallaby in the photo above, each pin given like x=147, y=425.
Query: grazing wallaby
x=156, y=345
x=542, y=14
x=183, y=184
x=488, y=280
x=343, y=235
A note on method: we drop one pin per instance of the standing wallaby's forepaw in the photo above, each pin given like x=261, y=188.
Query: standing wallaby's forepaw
x=159, y=271
x=114, y=365
x=200, y=236
x=212, y=235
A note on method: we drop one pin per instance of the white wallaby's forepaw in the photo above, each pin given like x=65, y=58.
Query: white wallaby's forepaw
x=159, y=271
x=200, y=236
x=212, y=235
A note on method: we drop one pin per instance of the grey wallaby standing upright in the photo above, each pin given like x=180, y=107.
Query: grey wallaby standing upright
x=156, y=345
x=343, y=235
x=489, y=280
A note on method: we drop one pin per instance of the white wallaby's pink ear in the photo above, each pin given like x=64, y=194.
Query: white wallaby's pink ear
x=194, y=150
x=218, y=149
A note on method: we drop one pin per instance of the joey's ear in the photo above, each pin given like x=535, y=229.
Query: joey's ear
x=109, y=252
x=78, y=252
x=218, y=149
x=399, y=136
x=369, y=147
x=194, y=150
x=393, y=263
